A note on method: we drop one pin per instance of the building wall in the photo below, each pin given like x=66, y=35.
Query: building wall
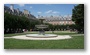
x=26, y=12
x=17, y=12
x=61, y=22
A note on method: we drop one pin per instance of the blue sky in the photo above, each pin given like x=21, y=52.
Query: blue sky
x=46, y=9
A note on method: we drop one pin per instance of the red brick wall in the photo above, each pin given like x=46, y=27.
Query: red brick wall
x=61, y=22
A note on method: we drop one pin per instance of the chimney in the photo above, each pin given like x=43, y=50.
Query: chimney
x=12, y=7
x=18, y=10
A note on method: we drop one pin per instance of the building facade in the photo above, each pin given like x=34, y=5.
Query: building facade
x=58, y=20
x=17, y=12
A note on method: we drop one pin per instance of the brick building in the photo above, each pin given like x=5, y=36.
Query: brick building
x=58, y=20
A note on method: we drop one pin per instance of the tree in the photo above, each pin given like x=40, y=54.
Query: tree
x=15, y=23
x=78, y=17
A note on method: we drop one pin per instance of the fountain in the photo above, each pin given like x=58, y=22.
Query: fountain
x=41, y=34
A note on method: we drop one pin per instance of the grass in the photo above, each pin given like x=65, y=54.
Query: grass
x=15, y=34
x=77, y=42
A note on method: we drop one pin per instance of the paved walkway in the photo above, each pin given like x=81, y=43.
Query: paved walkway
x=59, y=37
x=23, y=37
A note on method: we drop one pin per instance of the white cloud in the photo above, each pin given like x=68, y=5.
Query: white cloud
x=39, y=12
x=55, y=12
x=21, y=5
x=50, y=11
x=30, y=6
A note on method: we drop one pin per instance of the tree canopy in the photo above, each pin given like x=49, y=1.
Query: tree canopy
x=78, y=17
x=12, y=23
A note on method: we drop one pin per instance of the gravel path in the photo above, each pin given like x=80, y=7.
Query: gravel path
x=23, y=37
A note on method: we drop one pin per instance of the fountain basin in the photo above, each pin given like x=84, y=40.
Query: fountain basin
x=41, y=35
x=41, y=26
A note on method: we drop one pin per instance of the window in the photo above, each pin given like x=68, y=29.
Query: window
x=66, y=22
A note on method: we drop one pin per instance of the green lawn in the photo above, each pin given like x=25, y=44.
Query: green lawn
x=76, y=42
x=14, y=34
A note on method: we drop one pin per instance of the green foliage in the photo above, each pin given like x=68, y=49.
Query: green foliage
x=78, y=17
x=14, y=22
